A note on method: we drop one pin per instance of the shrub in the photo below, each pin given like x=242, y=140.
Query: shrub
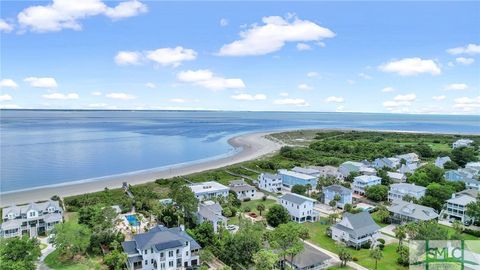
x=247, y=209
x=246, y=199
x=264, y=198
x=381, y=240
x=472, y=232
x=381, y=246
x=367, y=245
x=355, y=259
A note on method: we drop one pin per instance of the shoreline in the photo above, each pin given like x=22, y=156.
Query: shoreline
x=247, y=147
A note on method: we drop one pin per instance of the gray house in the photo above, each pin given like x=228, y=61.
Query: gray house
x=31, y=219
x=309, y=258
x=210, y=211
x=403, y=212
x=162, y=248
x=355, y=229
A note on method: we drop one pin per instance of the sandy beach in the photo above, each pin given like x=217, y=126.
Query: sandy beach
x=250, y=146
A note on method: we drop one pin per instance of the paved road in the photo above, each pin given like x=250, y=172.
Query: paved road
x=335, y=257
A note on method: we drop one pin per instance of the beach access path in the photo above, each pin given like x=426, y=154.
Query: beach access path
x=250, y=146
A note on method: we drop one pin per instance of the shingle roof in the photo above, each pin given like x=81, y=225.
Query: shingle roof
x=412, y=210
x=21, y=209
x=245, y=187
x=309, y=257
x=339, y=189
x=271, y=176
x=295, y=198
x=308, y=171
x=362, y=224
x=211, y=211
x=135, y=259
x=162, y=238
x=52, y=217
x=11, y=224
x=407, y=187
x=129, y=247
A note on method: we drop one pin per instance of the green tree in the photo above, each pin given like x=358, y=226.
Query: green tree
x=348, y=207
x=427, y=230
x=473, y=210
x=382, y=173
x=463, y=155
x=400, y=234
x=377, y=193
x=382, y=213
x=71, y=239
x=351, y=176
x=309, y=188
x=277, y=215
x=450, y=165
x=184, y=198
x=299, y=189
x=261, y=208
x=115, y=260
x=19, y=253
x=377, y=255
x=436, y=195
x=325, y=181
x=265, y=260
x=426, y=175
x=345, y=256
x=286, y=238
x=403, y=256
x=458, y=227
x=204, y=234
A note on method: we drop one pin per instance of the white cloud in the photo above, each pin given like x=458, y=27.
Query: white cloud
x=364, y=76
x=321, y=44
x=177, y=100
x=303, y=47
x=411, y=66
x=467, y=104
x=66, y=14
x=456, y=86
x=96, y=93
x=8, y=83
x=438, y=98
x=126, y=9
x=272, y=36
x=388, y=89
x=121, y=96
x=291, y=101
x=60, y=96
x=249, y=97
x=171, y=56
x=405, y=98
x=150, y=85
x=223, y=22
x=334, y=99
x=304, y=86
x=284, y=94
x=312, y=74
x=464, y=61
x=44, y=82
x=206, y=78
x=5, y=97
x=340, y=108
x=5, y=26
x=468, y=49
x=10, y=106
x=128, y=58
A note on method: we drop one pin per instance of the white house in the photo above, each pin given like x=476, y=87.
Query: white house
x=328, y=171
x=462, y=143
x=397, y=177
x=301, y=208
x=242, y=189
x=409, y=158
x=270, y=182
x=355, y=229
x=398, y=191
x=368, y=171
x=456, y=206
x=474, y=166
x=209, y=190
x=440, y=161
x=31, y=219
x=162, y=248
x=209, y=211
x=362, y=182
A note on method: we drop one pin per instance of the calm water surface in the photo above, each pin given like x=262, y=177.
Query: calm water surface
x=50, y=147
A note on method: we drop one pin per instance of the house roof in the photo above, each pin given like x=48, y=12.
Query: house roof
x=295, y=198
x=211, y=211
x=11, y=224
x=366, y=178
x=353, y=163
x=129, y=247
x=442, y=159
x=405, y=187
x=308, y=171
x=210, y=186
x=395, y=175
x=309, y=257
x=339, y=189
x=163, y=238
x=271, y=176
x=134, y=259
x=296, y=174
x=412, y=210
x=22, y=209
x=52, y=217
x=461, y=200
x=240, y=188
x=362, y=224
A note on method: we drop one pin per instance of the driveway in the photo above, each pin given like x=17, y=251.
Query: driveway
x=49, y=249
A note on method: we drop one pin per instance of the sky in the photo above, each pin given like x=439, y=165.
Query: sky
x=385, y=57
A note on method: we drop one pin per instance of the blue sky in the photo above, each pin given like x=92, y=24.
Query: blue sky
x=310, y=56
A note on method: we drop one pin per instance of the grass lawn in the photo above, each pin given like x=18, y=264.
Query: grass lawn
x=54, y=263
x=71, y=216
x=318, y=236
x=377, y=220
x=464, y=236
x=253, y=208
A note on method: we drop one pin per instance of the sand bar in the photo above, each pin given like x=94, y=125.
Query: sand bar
x=250, y=146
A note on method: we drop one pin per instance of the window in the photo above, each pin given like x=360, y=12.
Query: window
x=186, y=243
x=151, y=261
x=170, y=253
x=178, y=251
x=186, y=253
x=170, y=264
x=151, y=250
x=146, y=262
x=161, y=254
x=145, y=251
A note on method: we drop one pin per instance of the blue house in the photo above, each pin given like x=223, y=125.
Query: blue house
x=345, y=195
x=291, y=178
x=454, y=176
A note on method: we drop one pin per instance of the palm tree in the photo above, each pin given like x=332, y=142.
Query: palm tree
x=260, y=208
x=401, y=234
x=377, y=255
x=309, y=187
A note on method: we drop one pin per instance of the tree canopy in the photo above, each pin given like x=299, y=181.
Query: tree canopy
x=19, y=253
x=277, y=215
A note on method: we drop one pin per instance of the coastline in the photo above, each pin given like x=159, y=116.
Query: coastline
x=250, y=146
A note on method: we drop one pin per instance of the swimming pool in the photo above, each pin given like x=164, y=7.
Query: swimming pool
x=132, y=219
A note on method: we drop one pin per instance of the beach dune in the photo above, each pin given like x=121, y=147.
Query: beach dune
x=249, y=146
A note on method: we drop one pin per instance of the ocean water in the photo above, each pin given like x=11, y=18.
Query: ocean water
x=41, y=148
